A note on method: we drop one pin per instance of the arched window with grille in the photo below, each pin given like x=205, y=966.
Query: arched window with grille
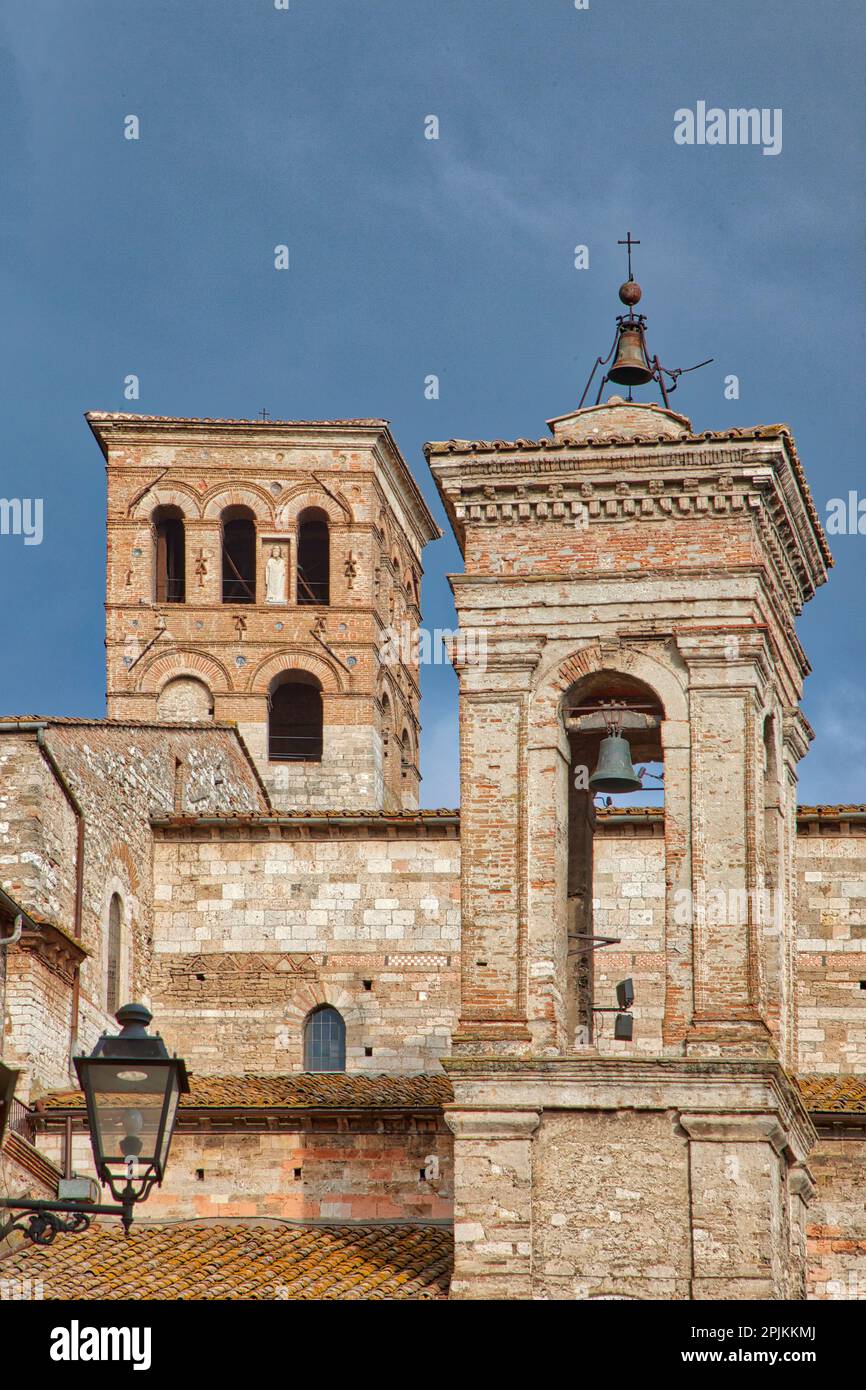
x=169, y=566
x=114, y=951
x=239, y=555
x=295, y=719
x=325, y=1040
x=314, y=557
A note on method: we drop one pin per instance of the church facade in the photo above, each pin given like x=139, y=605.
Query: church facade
x=540, y=1048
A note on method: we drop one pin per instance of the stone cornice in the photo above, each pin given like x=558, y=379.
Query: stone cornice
x=757, y=475
x=61, y=953
x=696, y=1087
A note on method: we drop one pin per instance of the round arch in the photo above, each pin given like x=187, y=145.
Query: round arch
x=301, y=498
x=249, y=495
x=296, y=658
x=178, y=495
x=184, y=662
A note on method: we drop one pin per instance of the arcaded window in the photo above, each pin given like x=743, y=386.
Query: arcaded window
x=325, y=1040
x=239, y=555
x=114, y=947
x=169, y=555
x=314, y=557
x=295, y=719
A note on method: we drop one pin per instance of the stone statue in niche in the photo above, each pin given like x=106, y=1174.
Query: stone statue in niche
x=275, y=576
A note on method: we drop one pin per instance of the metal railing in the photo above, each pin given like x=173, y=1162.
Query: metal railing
x=295, y=748
x=21, y=1120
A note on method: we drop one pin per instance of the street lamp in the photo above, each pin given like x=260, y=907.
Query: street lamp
x=132, y=1089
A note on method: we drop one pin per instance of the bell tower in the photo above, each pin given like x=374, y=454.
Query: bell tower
x=637, y=581
x=255, y=569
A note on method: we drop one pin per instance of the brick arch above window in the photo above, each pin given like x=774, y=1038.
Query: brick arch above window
x=188, y=662
x=250, y=495
x=327, y=672
x=173, y=495
x=564, y=669
x=300, y=498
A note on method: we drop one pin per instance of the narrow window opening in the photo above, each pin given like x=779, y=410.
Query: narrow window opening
x=170, y=557
x=239, y=555
x=112, y=976
x=314, y=557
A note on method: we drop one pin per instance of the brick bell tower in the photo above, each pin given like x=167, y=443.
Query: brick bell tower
x=629, y=562
x=254, y=569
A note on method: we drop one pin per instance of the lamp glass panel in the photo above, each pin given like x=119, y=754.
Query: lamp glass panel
x=128, y=1101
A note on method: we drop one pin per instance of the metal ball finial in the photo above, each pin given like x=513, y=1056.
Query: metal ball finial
x=630, y=292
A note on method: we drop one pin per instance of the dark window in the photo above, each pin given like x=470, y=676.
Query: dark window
x=405, y=754
x=314, y=561
x=295, y=722
x=170, y=560
x=325, y=1041
x=239, y=556
x=112, y=977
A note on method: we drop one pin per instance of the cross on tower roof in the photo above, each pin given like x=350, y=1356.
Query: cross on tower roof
x=263, y=415
x=629, y=242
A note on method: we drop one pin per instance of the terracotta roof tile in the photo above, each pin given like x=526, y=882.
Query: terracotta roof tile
x=121, y=417
x=834, y=1094
x=273, y=1261
x=290, y=817
x=298, y=1091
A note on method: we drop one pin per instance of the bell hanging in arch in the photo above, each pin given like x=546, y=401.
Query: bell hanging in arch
x=630, y=366
x=615, y=772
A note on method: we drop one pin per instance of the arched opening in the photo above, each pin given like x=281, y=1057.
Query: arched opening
x=239, y=555
x=314, y=557
x=388, y=746
x=295, y=718
x=169, y=560
x=325, y=1040
x=114, y=948
x=613, y=723
x=185, y=700
x=405, y=755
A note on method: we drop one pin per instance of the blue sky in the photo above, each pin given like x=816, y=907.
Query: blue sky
x=412, y=256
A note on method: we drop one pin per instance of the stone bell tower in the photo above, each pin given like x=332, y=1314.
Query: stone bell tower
x=628, y=559
x=255, y=572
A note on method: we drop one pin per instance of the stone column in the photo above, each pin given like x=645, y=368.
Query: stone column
x=493, y=877
x=679, y=993
x=725, y=698
x=493, y=1202
x=739, y=1206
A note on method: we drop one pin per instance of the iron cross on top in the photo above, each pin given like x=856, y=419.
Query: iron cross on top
x=629, y=243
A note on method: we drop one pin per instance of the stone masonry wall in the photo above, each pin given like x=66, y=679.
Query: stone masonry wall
x=837, y=1219
x=119, y=775
x=253, y=930
x=355, y=1167
x=831, y=947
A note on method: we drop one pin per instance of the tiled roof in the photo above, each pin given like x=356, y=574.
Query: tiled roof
x=85, y=720
x=122, y=417
x=274, y=1261
x=291, y=817
x=824, y=1095
x=298, y=1091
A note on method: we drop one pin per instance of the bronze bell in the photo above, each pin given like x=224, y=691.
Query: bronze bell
x=630, y=367
x=615, y=772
